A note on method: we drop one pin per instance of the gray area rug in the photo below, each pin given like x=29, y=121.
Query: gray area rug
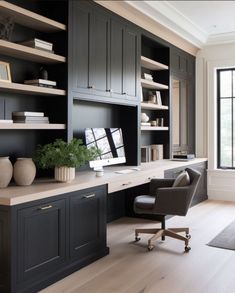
x=225, y=239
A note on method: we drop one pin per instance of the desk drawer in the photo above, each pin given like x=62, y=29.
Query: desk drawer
x=133, y=180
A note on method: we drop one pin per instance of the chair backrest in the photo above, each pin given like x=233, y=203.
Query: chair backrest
x=177, y=200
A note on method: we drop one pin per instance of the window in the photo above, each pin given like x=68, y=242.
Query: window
x=226, y=117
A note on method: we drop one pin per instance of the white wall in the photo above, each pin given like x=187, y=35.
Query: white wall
x=221, y=183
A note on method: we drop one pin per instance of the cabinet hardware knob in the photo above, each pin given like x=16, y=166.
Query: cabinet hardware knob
x=89, y=195
x=45, y=208
x=110, y=90
x=123, y=93
x=128, y=183
x=91, y=86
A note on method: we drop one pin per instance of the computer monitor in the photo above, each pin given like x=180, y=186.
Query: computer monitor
x=110, y=143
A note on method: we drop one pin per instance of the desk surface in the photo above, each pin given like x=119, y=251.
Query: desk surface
x=45, y=188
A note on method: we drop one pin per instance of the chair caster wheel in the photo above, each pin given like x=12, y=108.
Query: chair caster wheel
x=188, y=236
x=150, y=247
x=137, y=239
x=187, y=248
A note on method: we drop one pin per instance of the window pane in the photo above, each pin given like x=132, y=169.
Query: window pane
x=225, y=133
x=226, y=83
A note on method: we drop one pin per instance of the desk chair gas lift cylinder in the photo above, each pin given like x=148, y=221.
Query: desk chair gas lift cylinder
x=168, y=197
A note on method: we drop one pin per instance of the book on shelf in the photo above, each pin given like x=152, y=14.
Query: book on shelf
x=159, y=99
x=184, y=156
x=30, y=118
x=6, y=121
x=31, y=121
x=145, y=124
x=42, y=82
x=38, y=44
x=146, y=154
x=27, y=113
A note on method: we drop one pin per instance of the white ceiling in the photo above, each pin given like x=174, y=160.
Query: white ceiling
x=200, y=22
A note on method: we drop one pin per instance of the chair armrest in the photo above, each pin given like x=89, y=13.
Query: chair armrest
x=159, y=183
x=172, y=201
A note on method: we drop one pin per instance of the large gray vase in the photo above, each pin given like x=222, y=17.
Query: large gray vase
x=6, y=171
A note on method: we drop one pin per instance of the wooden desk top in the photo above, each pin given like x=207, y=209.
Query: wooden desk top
x=45, y=188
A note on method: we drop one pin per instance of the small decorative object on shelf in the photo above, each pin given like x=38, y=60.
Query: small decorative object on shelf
x=5, y=74
x=144, y=117
x=6, y=171
x=64, y=157
x=152, y=98
x=6, y=27
x=148, y=76
x=157, y=152
x=24, y=171
x=43, y=73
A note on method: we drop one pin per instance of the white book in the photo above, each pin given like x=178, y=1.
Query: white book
x=40, y=81
x=38, y=114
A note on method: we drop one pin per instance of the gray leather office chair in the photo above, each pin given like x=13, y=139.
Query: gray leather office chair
x=164, y=199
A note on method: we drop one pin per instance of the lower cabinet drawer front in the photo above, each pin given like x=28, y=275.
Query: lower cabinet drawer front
x=41, y=239
x=132, y=180
x=87, y=222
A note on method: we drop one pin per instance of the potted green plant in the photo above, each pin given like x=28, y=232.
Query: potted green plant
x=64, y=157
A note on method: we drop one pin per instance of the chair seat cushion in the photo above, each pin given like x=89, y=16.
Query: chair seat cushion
x=182, y=180
x=144, y=202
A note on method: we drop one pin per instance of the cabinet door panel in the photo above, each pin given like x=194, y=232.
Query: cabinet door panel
x=80, y=45
x=116, y=58
x=131, y=63
x=99, y=48
x=87, y=222
x=41, y=237
x=184, y=116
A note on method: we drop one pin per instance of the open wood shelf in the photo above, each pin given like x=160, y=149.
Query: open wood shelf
x=152, y=106
x=152, y=65
x=12, y=87
x=148, y=84
x=27, y=53
x=154, y=128
x=30, y=19
x=26, y=126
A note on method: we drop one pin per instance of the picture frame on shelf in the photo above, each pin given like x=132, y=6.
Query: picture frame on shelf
x=5, y=73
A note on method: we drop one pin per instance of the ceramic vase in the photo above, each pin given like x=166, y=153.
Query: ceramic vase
x=64, y=174
x=6, y=171
x=24, y=171
x=144, y=117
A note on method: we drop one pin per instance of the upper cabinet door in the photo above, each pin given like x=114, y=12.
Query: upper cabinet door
x=99, y=53
x=116, y=58
x=131, y=63
x=79, y=45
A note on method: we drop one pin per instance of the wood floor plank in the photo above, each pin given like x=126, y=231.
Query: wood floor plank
x=130, y=268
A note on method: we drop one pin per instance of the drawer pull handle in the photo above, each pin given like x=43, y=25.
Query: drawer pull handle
x=91, y=86
x=125, y=184
x=89, y=195
x=45, y=208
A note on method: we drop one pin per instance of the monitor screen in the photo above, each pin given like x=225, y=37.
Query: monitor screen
x=110, y=143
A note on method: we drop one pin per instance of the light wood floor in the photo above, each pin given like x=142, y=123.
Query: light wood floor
x=130, y=268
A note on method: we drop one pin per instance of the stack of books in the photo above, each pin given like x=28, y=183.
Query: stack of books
x=39, y=44
x=29, y=117
x=41, y=82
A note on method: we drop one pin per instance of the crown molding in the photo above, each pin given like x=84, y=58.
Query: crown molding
x=224, y=38
x=167, y=15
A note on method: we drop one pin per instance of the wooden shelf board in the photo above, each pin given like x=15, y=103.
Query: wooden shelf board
x=30, y=19
x=26, y=126
x=153, y=65
x=153, y=85
x=154, y=128
x=27, y=53
x=19, y=88
x=152, y=106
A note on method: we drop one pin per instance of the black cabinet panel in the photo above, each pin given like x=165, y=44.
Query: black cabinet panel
x=87, y=222
x=41, y=238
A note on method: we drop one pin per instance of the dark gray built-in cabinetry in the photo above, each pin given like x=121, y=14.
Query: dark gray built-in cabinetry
x=47, y=239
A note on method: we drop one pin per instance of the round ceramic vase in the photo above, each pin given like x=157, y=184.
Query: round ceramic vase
x=6, y=171
x=64, y=174
x=24, y=171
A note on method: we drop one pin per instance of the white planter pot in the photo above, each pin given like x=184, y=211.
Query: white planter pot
x=6, y=171
x=64, y=174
